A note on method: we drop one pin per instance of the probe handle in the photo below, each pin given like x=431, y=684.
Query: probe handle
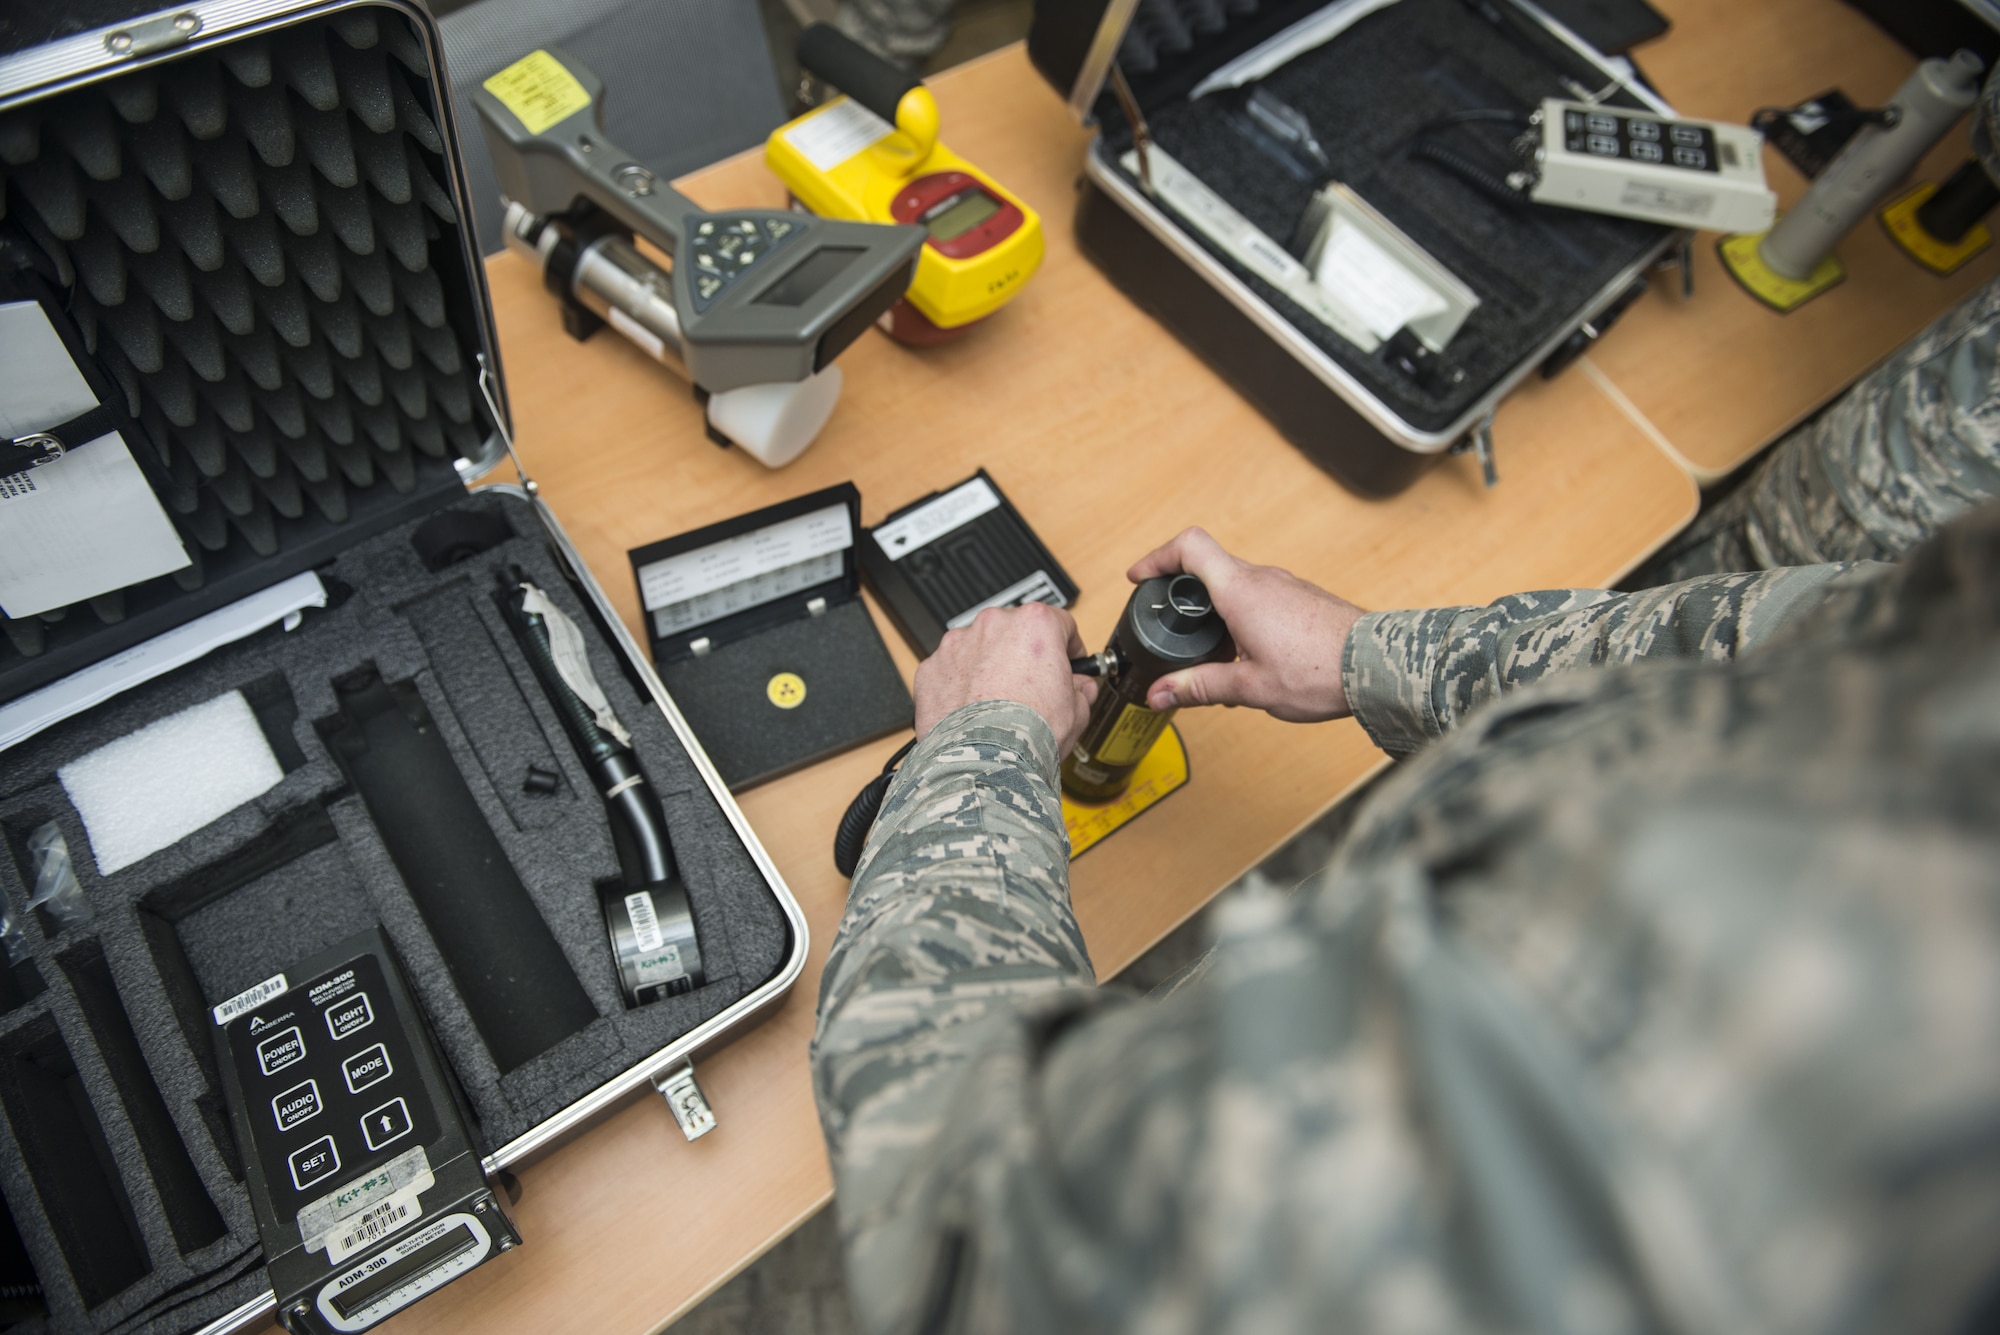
x=875, y=83
x=547, y=171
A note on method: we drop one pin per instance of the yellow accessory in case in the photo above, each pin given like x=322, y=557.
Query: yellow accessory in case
x=874, y=156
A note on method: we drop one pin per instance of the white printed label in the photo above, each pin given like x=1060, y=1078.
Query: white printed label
x=332, y=1221
x=746, y=556
x=251, y=998
x=1664, y=199
x=753, y=592
x=638, y=333
x=662, y=966
x=831, y=136
x=645, y=922
x=572, y=660
x=1372, y=283
x=932, y=520
x=1036, y=588
x=374, y=1226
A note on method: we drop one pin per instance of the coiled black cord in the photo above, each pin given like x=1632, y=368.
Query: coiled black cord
x=1475, y=174
x=859, y=818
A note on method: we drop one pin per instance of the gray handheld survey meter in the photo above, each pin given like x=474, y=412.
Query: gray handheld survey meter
x=362, y=1166
x=759, y=301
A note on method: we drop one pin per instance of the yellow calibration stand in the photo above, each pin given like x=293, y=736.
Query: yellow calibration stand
x=1164, y=769
x=874, y=156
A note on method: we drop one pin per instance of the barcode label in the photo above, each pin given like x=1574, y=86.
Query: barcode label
x=251, y=998
x=645, y=922
x=372, y=1227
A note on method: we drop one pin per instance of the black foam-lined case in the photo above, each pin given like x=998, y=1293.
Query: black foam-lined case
x=772, y=682
x=249, y=228
x=1398, y=75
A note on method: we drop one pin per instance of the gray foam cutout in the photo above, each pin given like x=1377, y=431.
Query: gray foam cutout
x=442, y=631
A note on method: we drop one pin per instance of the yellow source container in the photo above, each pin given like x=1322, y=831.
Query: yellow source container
x=841, y=160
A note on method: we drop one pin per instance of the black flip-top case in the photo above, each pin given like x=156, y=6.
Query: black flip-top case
x=247, y=220
x=1546, y=278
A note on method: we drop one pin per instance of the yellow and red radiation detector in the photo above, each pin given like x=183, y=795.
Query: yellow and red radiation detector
x=874, y=156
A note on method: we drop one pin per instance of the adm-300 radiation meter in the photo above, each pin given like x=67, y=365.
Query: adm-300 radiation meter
x=874, y=156
x=758, y=303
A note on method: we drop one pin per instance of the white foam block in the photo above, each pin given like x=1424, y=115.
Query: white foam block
x=153, y=788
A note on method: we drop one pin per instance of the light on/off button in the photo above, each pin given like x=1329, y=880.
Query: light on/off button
x=350, y=1016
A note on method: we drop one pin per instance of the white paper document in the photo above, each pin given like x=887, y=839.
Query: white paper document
x=1371, y=282
x=92, y=686
x=87, y=523
x=747, y=570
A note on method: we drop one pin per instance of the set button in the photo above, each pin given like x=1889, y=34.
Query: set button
x=367, y=1067
x=298, y=1104
x=282, y=1049
x=314, y=1163
x=350, y=1016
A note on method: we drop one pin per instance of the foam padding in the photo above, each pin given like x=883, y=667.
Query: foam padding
x=756, y=724
x=1367, y=94
x=155, y=787
x=157, y=1232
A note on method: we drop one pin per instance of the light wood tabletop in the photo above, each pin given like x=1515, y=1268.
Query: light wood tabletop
x=1108, y=436
x=1720, y=376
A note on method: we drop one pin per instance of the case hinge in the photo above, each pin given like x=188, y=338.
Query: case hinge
x=160, y=34
x=689, y=1104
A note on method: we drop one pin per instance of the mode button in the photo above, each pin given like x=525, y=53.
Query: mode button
x=365, y=1068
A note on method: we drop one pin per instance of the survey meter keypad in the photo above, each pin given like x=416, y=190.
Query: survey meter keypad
x=329, y=1075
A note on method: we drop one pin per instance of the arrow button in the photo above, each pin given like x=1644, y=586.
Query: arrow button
x=389, y=1122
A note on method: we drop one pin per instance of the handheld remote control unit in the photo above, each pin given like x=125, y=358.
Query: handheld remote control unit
x=359, y=1156
x=1633, y=164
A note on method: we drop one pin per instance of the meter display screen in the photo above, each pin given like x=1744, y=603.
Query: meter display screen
x=962, y=215
x=804, y=281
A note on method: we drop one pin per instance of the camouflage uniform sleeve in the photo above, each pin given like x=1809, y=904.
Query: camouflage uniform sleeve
x=959, y=908
x=1912, y=445
x=1412, y=675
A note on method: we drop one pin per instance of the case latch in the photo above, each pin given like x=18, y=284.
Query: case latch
x=1479, y=443
x=689, y=1104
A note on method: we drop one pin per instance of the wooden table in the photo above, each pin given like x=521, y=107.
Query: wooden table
x=1109, y=436
x=1716, y=378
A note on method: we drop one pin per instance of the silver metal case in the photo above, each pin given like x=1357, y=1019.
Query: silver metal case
x=75, y=46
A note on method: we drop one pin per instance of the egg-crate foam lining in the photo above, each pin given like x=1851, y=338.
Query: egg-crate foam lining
x=259, y=248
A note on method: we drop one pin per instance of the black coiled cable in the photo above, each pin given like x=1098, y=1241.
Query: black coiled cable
x=859, y=818
x=1475, y=174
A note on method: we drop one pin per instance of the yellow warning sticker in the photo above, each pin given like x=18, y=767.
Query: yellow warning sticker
x=539, y=90
x=1130, y=737
x=787, y=690
x=1783, y=295
x=1164, y=769
x=1940, y=257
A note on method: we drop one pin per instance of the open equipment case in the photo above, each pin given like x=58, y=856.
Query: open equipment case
x=246, y=219
x=1547, y=281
